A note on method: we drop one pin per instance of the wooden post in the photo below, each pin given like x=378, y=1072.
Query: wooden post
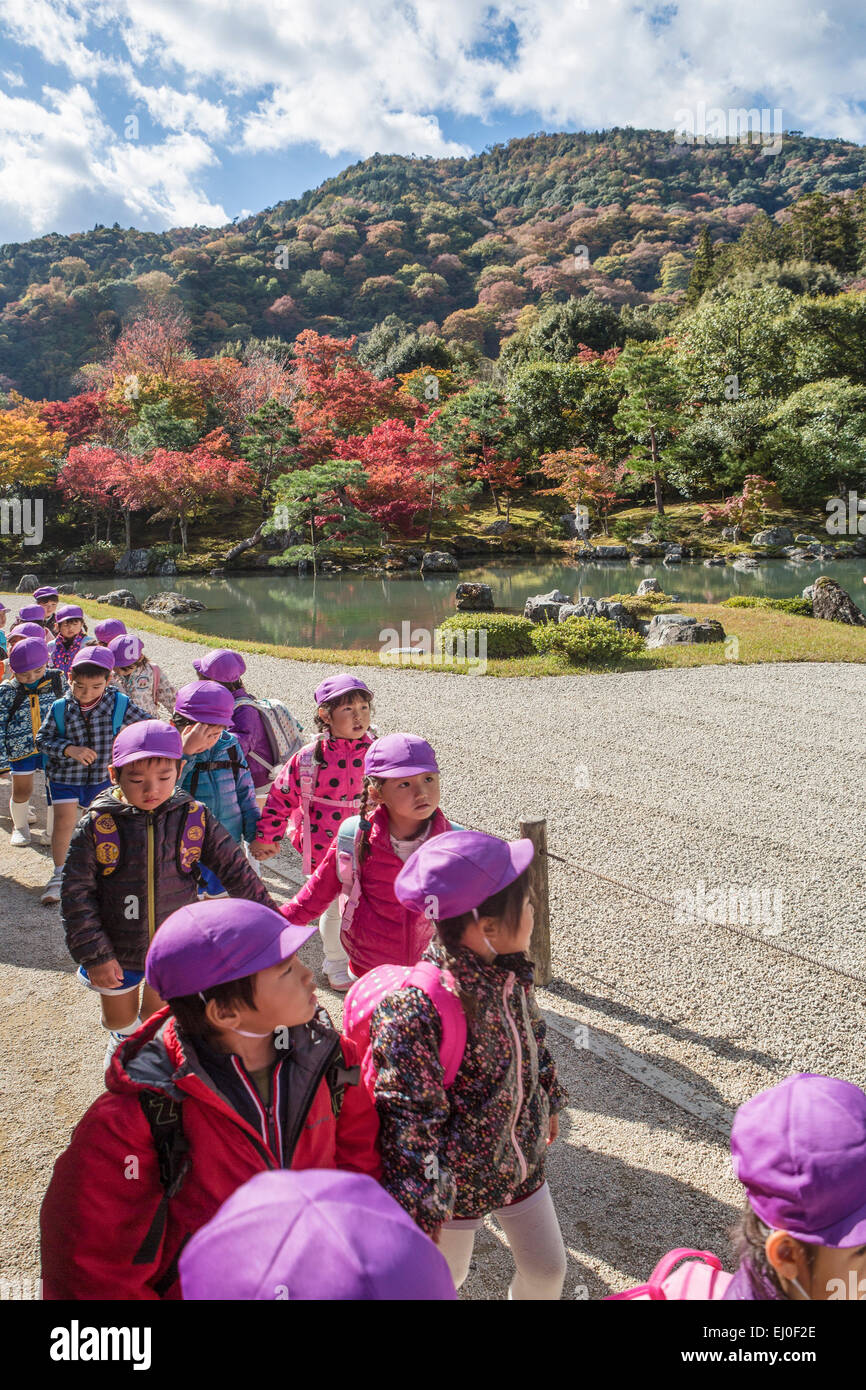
x=534, y=828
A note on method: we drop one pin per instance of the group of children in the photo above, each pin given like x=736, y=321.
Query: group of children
x=275, y=1156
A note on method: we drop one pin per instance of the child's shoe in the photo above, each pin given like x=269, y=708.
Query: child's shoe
x=51, y=893
x=20, y=836
x=20, y=823
x=337, y=972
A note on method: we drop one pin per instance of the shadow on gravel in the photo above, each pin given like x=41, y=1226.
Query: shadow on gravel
x=626, y=1013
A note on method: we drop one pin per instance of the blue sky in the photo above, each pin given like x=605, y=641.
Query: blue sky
x=159, y=113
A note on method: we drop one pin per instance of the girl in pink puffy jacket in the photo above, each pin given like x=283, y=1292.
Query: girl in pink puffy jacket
x=316, y=790
x=401, y=782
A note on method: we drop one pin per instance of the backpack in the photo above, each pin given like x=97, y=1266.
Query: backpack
x=52, y=675
x=282, y=730
x=121, y=704
x=348, y=858
x=233, y=762
x=107, y=840
x=441, y=989
x=700, y=1277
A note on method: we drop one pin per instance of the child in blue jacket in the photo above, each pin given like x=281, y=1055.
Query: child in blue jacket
x=216, y=771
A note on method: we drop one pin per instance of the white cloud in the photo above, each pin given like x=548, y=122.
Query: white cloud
x=13, y=78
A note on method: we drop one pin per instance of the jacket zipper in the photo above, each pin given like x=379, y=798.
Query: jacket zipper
x=151, y=881
x=518, y=1052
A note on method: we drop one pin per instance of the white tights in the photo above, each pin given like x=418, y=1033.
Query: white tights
x=532, y=1232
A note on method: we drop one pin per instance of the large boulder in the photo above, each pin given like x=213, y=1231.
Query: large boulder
x=134, y=562
x=775, y=536
x=544, y=608
x=859, y=546
x=474, y=598
x=166, y=567
x=832, y=602
x=803, y=539
x=673, y=555
x=747, y=564
x=671, y=629
x=610, y=552
x=438, y=561
x=120, y=598
x=715, y=560
x=649, y=586
x=600, y=608
x=27, y=583
x=169, y=604
x=498, y=528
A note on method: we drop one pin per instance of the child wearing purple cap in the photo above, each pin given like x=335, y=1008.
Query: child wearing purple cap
x=107, y=628
x=76, y=739
x=25, y=700
x=240, y=1074
x=251, y=719
x=453, y=1156
x=401, y=784
x=135, y=857
x=319, y=788
x=799, y=1149
x=71, y=637
x=49, y=598
x=145, y=684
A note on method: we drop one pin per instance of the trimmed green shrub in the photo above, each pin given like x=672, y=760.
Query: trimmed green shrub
x=587, y=641
x=99, y=557
x=507, y=635
x=798, y=607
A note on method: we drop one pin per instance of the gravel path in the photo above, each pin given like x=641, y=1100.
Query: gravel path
x=736, y=777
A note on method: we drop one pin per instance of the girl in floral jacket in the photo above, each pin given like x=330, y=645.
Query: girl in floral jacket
x=451, y=1157
x=71, y=637
x=145, y=684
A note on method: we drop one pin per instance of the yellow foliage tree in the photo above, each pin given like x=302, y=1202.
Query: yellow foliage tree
x=29, y=450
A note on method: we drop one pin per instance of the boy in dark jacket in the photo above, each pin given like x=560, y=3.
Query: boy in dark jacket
x=132, y=861
x=242, y=1073
x=75, y=739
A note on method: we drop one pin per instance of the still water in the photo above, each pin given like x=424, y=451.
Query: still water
x=350, y=610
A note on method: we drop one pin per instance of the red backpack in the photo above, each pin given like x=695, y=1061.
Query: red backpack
x=439, y=986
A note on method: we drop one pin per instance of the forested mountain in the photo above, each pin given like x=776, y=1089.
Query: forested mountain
x=467, y=249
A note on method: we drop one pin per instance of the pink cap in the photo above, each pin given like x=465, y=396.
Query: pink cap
x=28, y=655
x=148, y=738
x=399, y=755
x=93, y=656
x=126, y=649
x=209, y=943
x=206, y=702
x=220, y=665
x=338, y=685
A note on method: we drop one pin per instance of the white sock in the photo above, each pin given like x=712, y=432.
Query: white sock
x=18, y=811
x=125, y=1032
x=49, y=820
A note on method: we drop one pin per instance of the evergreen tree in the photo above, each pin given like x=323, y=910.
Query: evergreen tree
x=702, y=269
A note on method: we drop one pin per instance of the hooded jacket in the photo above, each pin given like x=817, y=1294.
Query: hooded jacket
x=339, y=778
x=232, y=800
x=382, y=931
x=95, y=1216
x=18, y=731
x=481, y=1144
x=114, y=915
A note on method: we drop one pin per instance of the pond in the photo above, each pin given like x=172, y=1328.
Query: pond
x=351, y=609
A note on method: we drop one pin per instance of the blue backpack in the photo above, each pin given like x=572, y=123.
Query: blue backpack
x=121, y=704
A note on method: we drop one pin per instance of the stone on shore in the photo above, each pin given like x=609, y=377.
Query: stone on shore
x=774, y=535
x=600, y=608
x=473, y=598
x=169, y=604
x=438, y=561
x=544, y=608
x=27, y=583
x=671, y=629
x=833, y=603
x=120, y=598
x=649, y=586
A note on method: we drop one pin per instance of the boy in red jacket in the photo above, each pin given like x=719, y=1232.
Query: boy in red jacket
x=239, y=1074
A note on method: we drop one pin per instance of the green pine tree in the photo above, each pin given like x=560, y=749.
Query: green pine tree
x=702, y=269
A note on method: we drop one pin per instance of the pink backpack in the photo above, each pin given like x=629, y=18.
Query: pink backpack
x=700, y=1277
x=439, y=986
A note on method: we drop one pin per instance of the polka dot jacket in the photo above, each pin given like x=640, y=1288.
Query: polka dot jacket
x=340, y=778
x=482, y=1143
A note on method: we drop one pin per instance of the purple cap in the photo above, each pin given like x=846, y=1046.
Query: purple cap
x=338, y=685
x=149, y=738
x=29, y=654
x=31, y=613
x=321, y=1234
x=399, y=755
x=106, y=629
x=221, y=939
x=460, y=870
x=126, y=649
x=93, y=656
x=799, y=1149
x=206, y=702
x=45, y=592
x=3, y=608
x=220, y=665
x=26, y=630
x=67, y=611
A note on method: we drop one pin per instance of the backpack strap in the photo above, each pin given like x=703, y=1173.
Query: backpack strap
x=106, y=841
x=118, y=714
x=157, y=677
x=191, y=839
x=308, y=772
x=58, y=709
x=441, y=989
x=232, y=761
x=349, y=837
x=165, y=1120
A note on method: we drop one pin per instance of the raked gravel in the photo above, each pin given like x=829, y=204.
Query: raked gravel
x=737, y=777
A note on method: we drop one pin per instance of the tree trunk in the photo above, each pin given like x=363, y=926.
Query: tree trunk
x=108, y=526
x=127, y=527
x=495, y=499
x=95, y=526
x=430, y=513
x=247, y=544
x=313, y=541
x=183, y=531
x=657, y=477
